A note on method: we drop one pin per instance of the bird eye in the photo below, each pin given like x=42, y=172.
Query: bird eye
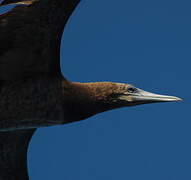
x=131, y=90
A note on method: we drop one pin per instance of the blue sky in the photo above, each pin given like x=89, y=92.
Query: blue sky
x=145, y=43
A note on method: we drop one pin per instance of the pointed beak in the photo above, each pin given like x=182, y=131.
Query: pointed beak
x=143, y=97
x=147, y=97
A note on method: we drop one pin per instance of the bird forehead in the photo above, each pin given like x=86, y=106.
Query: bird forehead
x=123, y=85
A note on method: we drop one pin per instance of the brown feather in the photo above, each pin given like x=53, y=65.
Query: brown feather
x=30, y=39
x=82, y=100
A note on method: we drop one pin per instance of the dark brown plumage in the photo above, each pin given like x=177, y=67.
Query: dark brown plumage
x=13, y=156
x=33, y=91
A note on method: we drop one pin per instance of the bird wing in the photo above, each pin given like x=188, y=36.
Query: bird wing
x=21, y=2
x=13, y=154
x=30, y=36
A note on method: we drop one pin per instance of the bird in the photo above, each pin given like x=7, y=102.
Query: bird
x=33, y=91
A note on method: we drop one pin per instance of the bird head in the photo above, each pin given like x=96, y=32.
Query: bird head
x=129, y=95
x=83, y=100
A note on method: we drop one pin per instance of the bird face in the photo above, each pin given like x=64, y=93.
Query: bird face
x=83, y=100
x=128, y=95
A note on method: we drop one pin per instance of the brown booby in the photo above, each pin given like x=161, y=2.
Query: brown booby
x=33, y=91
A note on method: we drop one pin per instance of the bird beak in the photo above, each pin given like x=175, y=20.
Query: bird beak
x=143, y=97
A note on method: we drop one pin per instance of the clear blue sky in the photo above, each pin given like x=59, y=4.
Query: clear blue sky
x=145, y=43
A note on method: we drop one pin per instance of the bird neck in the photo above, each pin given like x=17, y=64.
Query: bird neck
x=82, y=100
